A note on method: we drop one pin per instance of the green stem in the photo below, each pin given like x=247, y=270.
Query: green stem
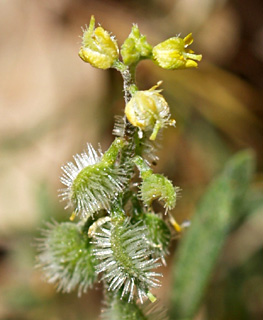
x=145, y=170
x=111, y=154
x=133, y=143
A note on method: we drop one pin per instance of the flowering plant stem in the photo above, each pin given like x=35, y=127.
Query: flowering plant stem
x=119, y=238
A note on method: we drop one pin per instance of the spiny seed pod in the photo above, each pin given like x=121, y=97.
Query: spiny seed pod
x=174, y=54
x=66, y=258
x=125, y=259
x=117, y=308
x=148, y=110
x=155, y=186
x=99, y=48
x=135, y=47
x=94, y=181
x=158, y=236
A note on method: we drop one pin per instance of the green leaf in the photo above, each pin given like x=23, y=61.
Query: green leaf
x=202, y=244
x=239, y=170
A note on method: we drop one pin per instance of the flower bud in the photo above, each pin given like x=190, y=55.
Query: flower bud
x=98, y=48
x=135, y=47
x=173, y=53
x=148, y=110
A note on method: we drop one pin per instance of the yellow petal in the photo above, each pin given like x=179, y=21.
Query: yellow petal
x=188, y=39
x=191, y=64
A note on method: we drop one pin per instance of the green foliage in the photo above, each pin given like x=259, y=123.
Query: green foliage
x=201, y=245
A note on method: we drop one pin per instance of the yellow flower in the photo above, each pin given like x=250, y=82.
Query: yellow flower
x=99, y=48
x=148, y=110
x=174, y=54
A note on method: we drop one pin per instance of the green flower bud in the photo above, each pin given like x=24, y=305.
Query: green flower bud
x=135, y=47
x=98, y=48
x=173, y=53
x=155, y=186
x=148, y=110
x=66, y=257
x=94, y=181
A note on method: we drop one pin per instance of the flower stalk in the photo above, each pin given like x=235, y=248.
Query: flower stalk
x=119, y=238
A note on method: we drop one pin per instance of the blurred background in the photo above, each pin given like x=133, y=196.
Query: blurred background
x=52, y=104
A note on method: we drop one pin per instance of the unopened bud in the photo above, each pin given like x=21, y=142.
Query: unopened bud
x=135, y=47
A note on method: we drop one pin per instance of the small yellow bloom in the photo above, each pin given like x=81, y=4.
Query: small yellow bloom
x=148, y=110
x=174, y=54
x=99, y=48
